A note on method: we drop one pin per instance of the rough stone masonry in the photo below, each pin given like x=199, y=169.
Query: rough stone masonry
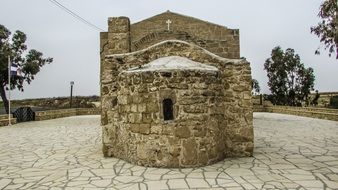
x=174, y=92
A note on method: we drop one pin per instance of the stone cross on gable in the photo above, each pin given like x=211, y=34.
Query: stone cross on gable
x=168, y=23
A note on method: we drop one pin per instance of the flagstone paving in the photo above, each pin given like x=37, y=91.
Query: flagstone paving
x=290, y=153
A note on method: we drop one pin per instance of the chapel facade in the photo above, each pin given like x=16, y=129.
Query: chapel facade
x=174, y=92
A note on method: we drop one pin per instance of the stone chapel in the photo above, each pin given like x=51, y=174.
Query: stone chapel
x=174, y=92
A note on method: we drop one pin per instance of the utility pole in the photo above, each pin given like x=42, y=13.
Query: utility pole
x=71, y=93
x=9, y=91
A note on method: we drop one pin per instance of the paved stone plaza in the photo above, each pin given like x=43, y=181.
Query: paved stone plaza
x=290, y=153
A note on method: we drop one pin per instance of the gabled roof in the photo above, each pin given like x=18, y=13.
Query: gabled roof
x=168, y=12
x=195, y=27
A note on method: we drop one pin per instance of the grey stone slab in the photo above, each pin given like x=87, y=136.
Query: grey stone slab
x=67, y=154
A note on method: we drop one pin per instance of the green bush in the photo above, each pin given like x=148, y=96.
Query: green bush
x=334, y=102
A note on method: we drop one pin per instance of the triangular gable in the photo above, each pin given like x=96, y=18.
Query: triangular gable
x=196, y=27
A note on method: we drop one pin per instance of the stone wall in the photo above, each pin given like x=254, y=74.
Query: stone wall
x=55, y=103
x=324, y=98
x=320, y=113
x=88, y=111
x=4, y=120
x=194, y=137
x=232, y=117
x=53, y=114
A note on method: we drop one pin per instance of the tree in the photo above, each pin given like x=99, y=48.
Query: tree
x=327, y=29
x=289, y=81
x=30, y=62
x=314, y=102
x=334, y=102
x=255, y=86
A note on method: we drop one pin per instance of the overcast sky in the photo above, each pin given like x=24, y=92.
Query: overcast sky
x=74, y=46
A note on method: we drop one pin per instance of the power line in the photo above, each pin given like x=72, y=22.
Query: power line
x=55, y=2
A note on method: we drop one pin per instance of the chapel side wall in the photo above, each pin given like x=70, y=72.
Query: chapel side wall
x=238, y=111
x=103, y=53
x=115, y=41
x=193, y=138
x=219, y=40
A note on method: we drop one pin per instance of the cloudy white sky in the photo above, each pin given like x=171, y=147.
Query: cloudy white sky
x=74, y=46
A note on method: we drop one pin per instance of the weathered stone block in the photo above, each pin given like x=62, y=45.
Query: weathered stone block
x=136, y=99
x=144, y=129
x=118, y=42
x=143, y=88
x=203, y=157
x=135, y=118
x=133, y=108
x=247, y=95
x=156, y=129
x=118, y=24
x=114, y=101
x=135, y=128
x=141, y=108
x=123, y=100
x=182, y=132
x=146, y=118
x=142, y=152
x=199, y=131
x=195, y=109
x=200, y=86
x=189, y=152
x=124, y=108
x=192, y=100
x=147, y=77
x=136, y=79
x=239, y=88
x=241, y=134
x=208, y=93
x=175, y=151
x=105, y=90
x=168, y=130
x=178, y=85
x=152, y=107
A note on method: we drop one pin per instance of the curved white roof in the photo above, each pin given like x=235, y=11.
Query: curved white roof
x=173, y=63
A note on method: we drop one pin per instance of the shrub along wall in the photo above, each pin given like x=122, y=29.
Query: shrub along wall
x=334, y=102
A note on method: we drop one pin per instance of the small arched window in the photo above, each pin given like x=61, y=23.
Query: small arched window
x=168, y=109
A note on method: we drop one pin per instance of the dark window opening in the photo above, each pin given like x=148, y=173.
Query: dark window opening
x=168, y=109
x=166, y=74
